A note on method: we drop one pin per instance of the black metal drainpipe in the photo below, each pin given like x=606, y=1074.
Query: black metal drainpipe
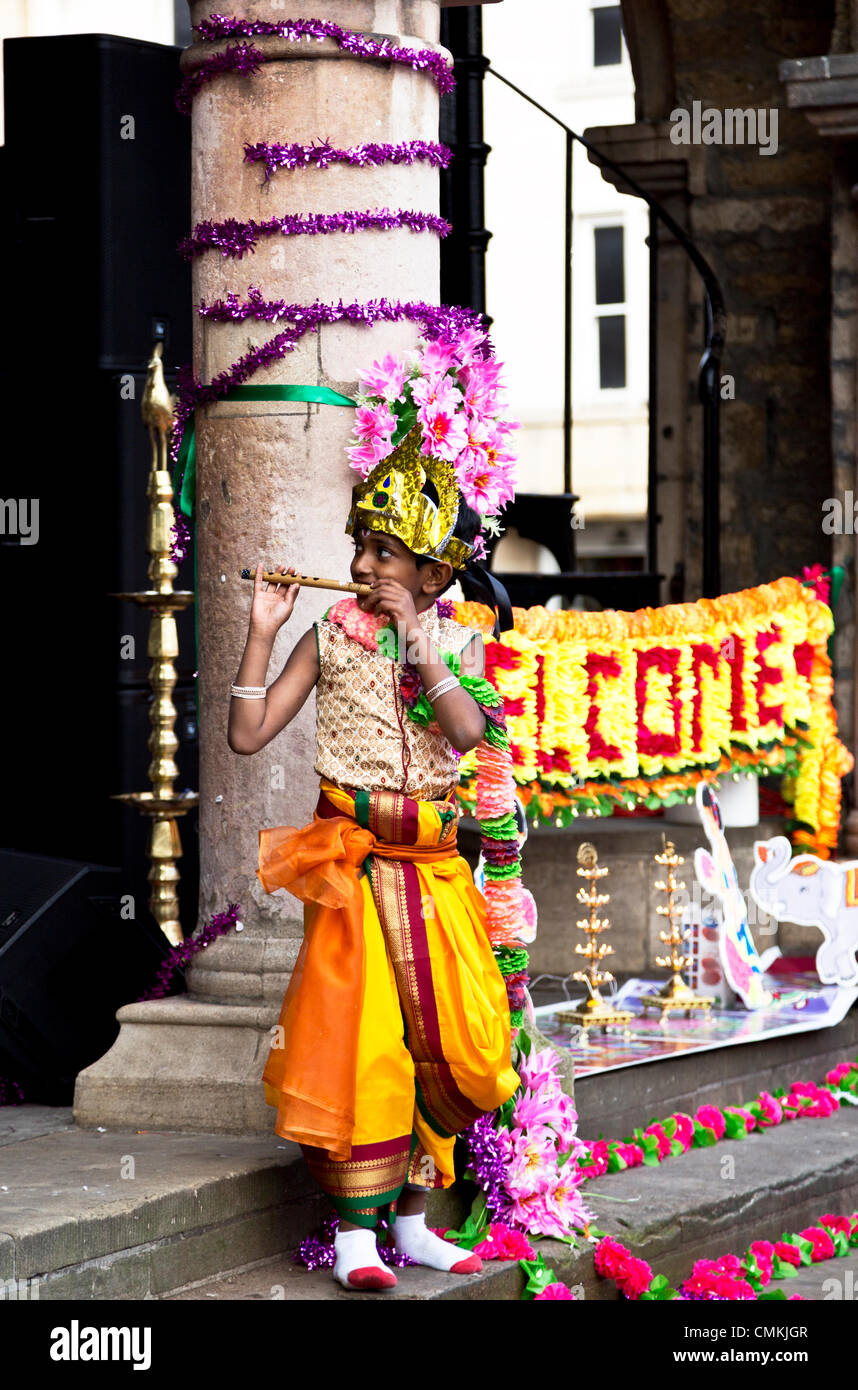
x=463, y=252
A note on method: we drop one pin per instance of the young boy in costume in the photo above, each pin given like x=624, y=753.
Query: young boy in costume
x=394, y=1032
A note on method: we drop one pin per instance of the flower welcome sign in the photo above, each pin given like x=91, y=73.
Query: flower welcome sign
x=616, y=710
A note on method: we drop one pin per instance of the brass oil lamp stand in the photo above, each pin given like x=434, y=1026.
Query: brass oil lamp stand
x=676, y=995
x=596, y=1012
x=162, y=805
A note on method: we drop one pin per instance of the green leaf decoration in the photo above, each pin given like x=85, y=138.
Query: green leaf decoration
x=405, y=422
x=771, y=1296
x=736, y=1128
x=804, y=1246
x=669, y=1127
x=676, y=1148
x=704, y=1137
x=659, y=1291
x=782, y=1269
x=537, y=1276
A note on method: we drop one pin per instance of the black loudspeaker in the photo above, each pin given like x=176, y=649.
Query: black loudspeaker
x=98, y=169
x=96, y=190
x=70, y=955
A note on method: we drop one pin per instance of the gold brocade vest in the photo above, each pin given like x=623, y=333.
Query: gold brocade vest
x=364, y=737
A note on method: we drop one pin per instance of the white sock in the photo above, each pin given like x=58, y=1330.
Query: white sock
x=358, y=1264
x=412, y=1237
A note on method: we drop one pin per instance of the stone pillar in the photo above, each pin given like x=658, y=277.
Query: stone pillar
x=274, y=484
x=672, y=174
x=826, y=90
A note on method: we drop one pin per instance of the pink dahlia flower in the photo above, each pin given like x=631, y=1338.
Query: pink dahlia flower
x=773, y=1111
x=790, y=1254
x=555, y=1290
x=837, y=1223
x=823, y=1245
x=684, y=1130
x=503, y=1243
x=711, y=1117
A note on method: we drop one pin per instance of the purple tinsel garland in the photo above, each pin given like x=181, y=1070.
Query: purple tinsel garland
x=445, y=321
x=6, y=1097
x=242, y=58
x=317, y=1251
x=219, y=26
x=218, y=925
x=233, y=238
x=439, y=321
x=322, y=153
x=486, y=1162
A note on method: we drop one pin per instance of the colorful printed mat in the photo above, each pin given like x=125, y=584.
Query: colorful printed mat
x=800, y=1005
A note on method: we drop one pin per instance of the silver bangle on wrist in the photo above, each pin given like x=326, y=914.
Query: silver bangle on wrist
x=248, y=692
x=442, y=687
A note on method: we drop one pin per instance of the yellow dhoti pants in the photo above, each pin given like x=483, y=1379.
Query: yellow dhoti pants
x=421, y=1043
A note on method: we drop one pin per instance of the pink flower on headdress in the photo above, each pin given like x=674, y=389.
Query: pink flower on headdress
x=481, y=384
x=365, y=456
x=444, y=433
x=438, y=391
x=487, y=489
x=386, y=378
x=475, y=453
x=437, y=358
x=374, y=422
x=468, y=345
x=479, y=551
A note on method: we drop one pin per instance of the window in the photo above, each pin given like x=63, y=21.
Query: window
x=610, y=273
x=612, y=351
x=607, y=36
x=610, y=276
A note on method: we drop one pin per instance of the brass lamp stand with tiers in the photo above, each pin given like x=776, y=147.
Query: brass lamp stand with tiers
x=596, y=1012
x=676, y=995
x=162, y=805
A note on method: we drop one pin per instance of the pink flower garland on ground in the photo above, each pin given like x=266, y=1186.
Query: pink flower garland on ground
x=731, y=1278
x=678, y=1133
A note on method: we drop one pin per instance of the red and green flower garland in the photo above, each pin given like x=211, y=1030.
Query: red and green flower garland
x=494, y=810
x=679, y=1132
x=731, y=1278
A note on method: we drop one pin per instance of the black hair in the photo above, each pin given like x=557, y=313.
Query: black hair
x=467, y=528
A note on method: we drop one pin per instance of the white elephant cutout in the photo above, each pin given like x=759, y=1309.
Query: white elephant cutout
x=716, y=873
x=815, y=893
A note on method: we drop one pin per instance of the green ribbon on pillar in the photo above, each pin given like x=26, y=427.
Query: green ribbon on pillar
x=185, y=472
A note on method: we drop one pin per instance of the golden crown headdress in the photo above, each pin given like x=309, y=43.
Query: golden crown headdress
x=391, y=500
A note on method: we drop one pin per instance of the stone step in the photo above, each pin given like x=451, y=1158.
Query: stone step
x=704, y=1204
x=137, y=1214
x=134, y=1214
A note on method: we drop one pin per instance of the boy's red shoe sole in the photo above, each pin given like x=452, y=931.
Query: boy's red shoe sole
x=372, y=1278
